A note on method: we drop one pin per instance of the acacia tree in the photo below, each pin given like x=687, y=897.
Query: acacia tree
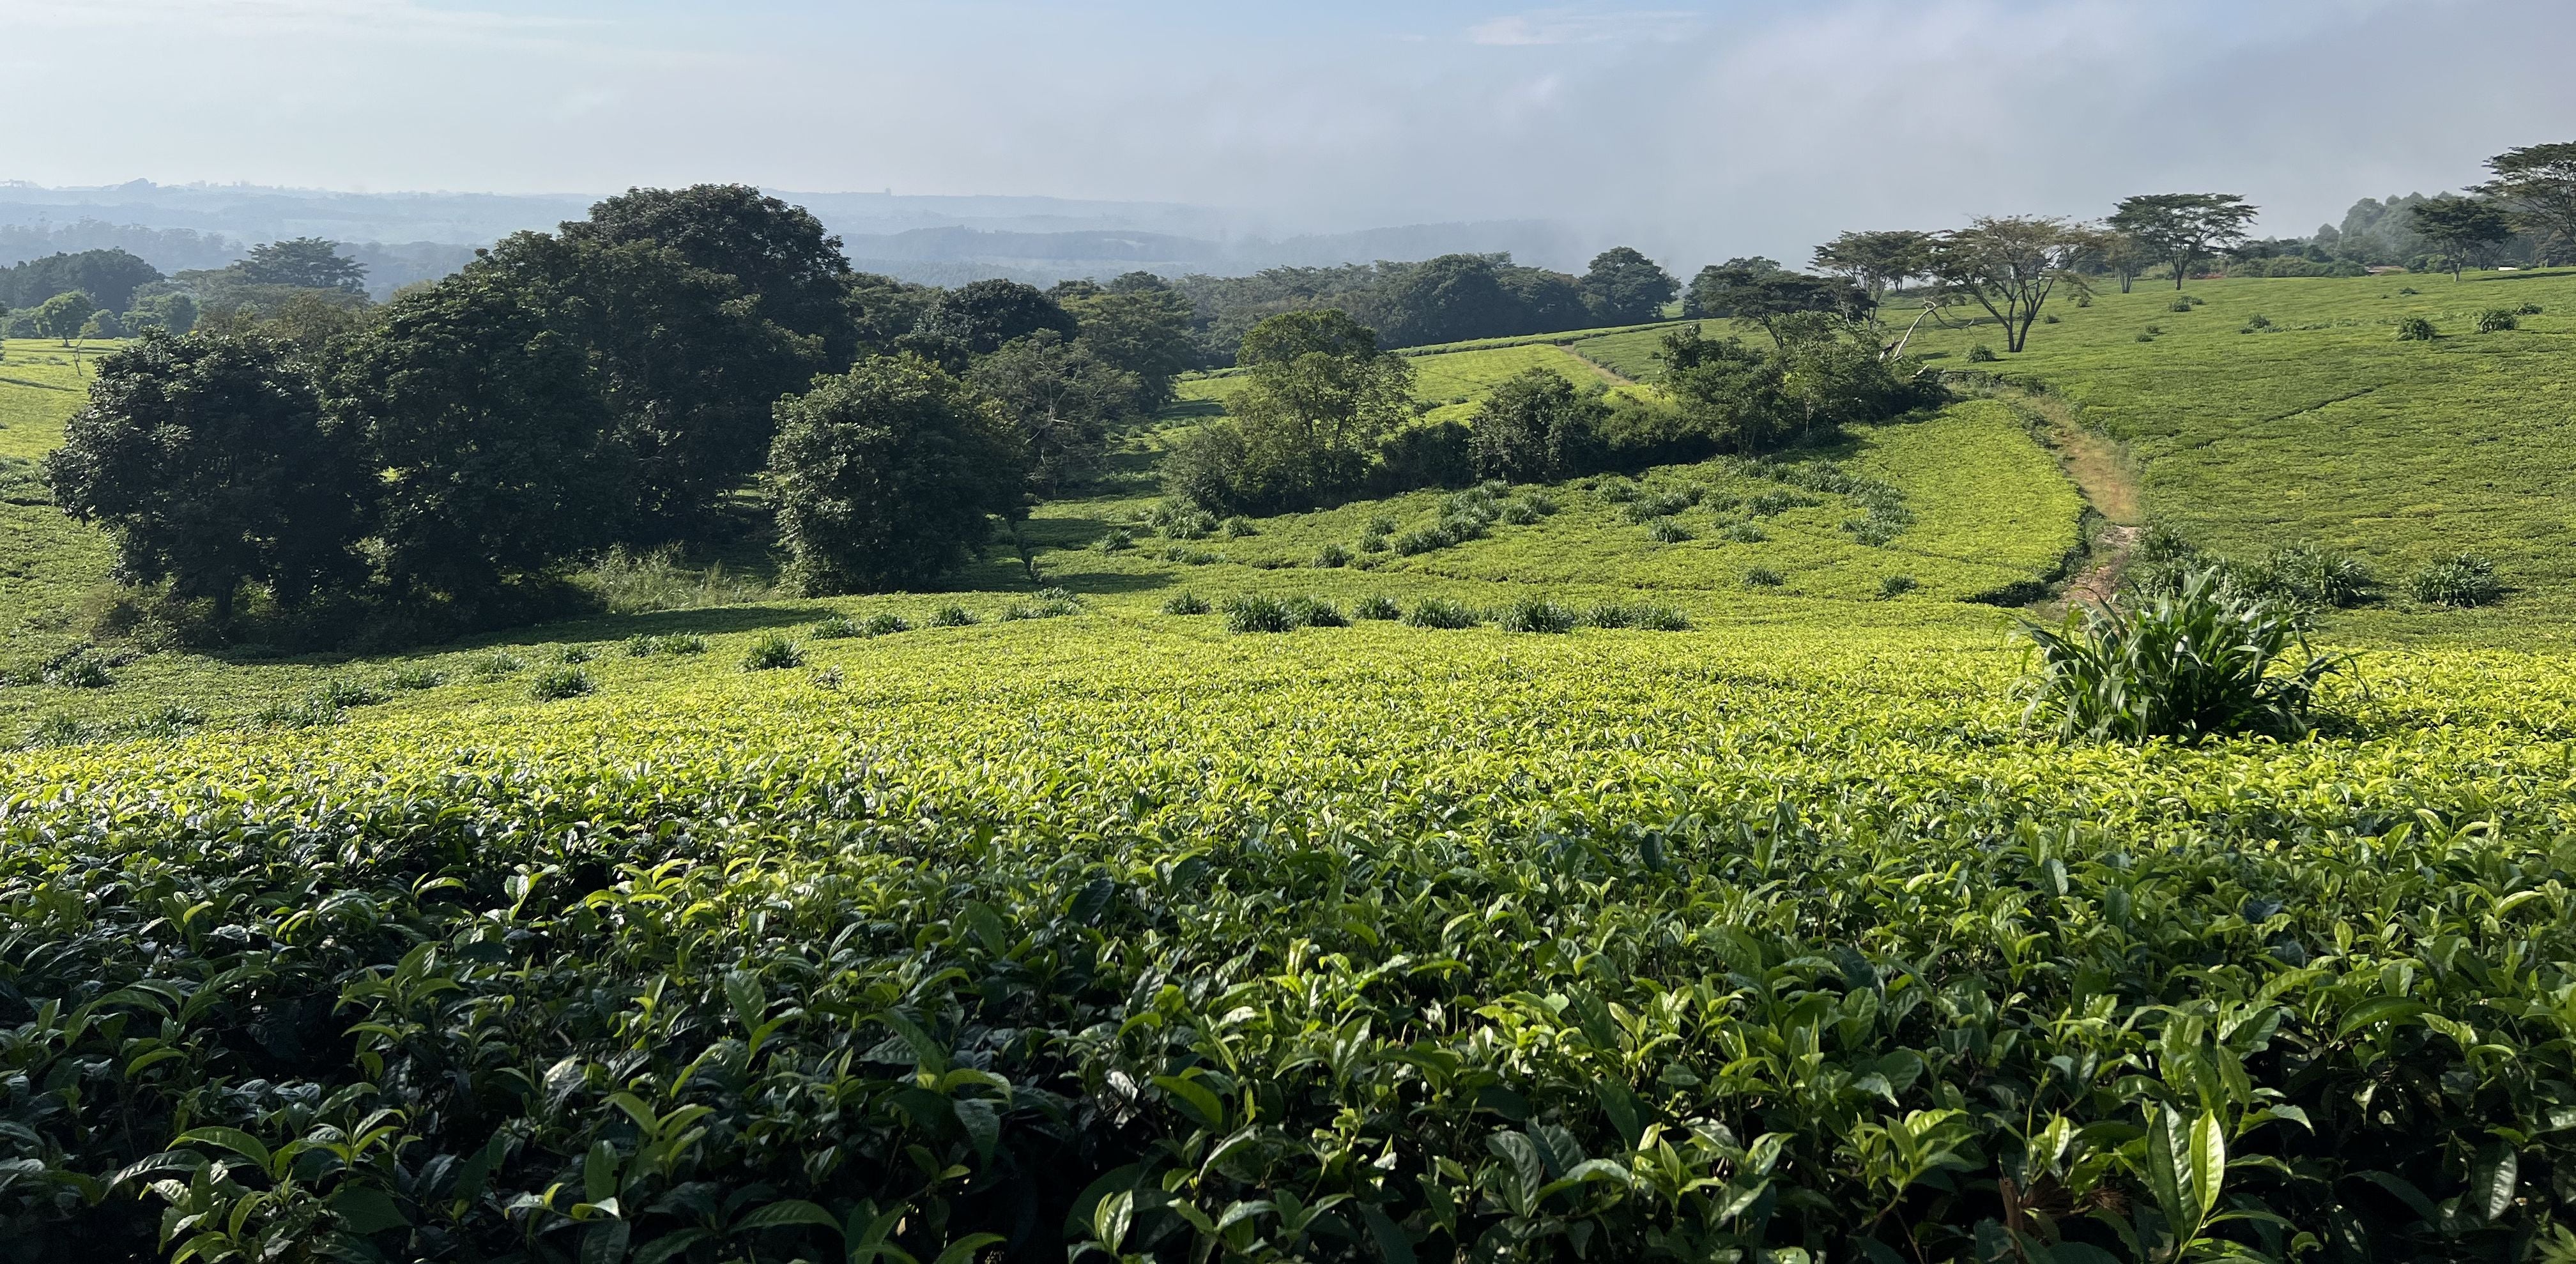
x=209, y=460
x=2462, y=227
x=888, y=476
x=1877, y=261
x=2537, y=185
x=2122, y=256
x=2183, y=228
x=2010, y=266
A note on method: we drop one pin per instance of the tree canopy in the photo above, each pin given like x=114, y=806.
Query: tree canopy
x=2180, y=229
x=2537, y=185
x=108, y=277
x=2011, y=265
x=778, y=252
x=977, y=319
x=306, y=263
x=1877, y=261
x=1624, y=287
x=1307, y=428
x=2464, y=228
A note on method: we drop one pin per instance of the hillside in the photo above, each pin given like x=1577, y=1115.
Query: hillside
x=1037, y=906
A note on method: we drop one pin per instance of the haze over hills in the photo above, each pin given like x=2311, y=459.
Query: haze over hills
x=405, y=236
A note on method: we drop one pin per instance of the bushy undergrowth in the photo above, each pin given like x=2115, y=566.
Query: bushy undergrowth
x=2191, y=664
x=773, y=651
x=2464, y=580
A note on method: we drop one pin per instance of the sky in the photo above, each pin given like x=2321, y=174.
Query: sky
x=1696, y=129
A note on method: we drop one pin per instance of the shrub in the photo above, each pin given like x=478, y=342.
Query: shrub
x=1667, y=531
x=1238, y=527
x=2408, y=289
x=1743, y=533
x=1441, y=612
x=2258, y=321
x=2527, y=309
x=2155, y=330
x=1185, y=603
x=2313, y=576
x=1377, y=606
x=1332, y=555
x=574, y=654
x=833, y=627
x=2180, y=305
x=1252, y=612
x=1981, y=354
x=680, y=643
x=495, y=665
x=1616, y=491
x=416, y=677
x=348, y=693
x=557, y=683
x=80, y=671
x=1516, y=514
x=1380, y=525
x=1192, y=557
x=1114, y=540
x=1177, y=520
x=1314, y=612
x=1778, y=500
x=1896, y=586
x=1661, y=619
x=1763, y=577
x=951, y=616
x=2465, y=580
x=2146, y=337
x=1373, y=543
x=1536, y=614
x=2416, y=329
x=312, y=713
x=172, y=721
x=772, y=651
x=1608, y=614
x=1540, y=505
x=2050, y=319
x=2496, y=320
x=886, y=623
x=1421, y=540
x=2191, y=664
x=639, y=646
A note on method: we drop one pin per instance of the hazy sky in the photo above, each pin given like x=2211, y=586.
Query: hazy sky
x=1697, y=128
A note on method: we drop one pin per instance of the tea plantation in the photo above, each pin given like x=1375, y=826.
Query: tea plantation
x=1706, y=895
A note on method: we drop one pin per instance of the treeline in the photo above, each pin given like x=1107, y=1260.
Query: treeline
x=1326, y=414
x=1451, y=298
x=441, y=460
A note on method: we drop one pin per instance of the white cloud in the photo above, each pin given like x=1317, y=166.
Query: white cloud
x=1582, y=26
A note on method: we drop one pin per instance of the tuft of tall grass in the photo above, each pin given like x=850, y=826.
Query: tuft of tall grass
x=630, y=583
x=1536, y=614
x=1377, y=606
x=952, y=616
x=558, y=683
x=2465, y=580
x=1185, y=603
x=1441, y=612
x=1763, y=577
x=2191, y=664
x=772, y=651
x=833, y=627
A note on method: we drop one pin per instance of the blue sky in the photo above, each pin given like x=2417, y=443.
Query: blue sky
x=1696, y=129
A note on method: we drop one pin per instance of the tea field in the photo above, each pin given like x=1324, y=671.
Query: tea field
x=1006, y=923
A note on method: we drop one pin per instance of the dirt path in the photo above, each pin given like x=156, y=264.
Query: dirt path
x=2102, y=473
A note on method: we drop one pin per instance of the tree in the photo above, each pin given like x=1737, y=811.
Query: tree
x=778, y=252
x=62, y=316
x=308, y=263
x=1730, y=393
x=2462, y=227
x=1319, y=400
x=880, y=310
x=109, y=277
x=976, y=319
x=489, y=434
x=173, y=312
x=2537, y=185
x=1624, y=287
x=2181, y=228
x=211, y=463
x=887, y=476
x=688, y=368
x=1062, y=396
x=2010, y=266
x=102, y=324
x=1877, y=261
x=1746, y=291
x=1712, y=292
x=1143, y=331
x=2122, y=256
x=1450, y=298
x=1535, y=427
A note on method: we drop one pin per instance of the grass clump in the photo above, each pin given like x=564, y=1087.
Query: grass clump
x=574, y=654
x=558, y=683
x=885, y=623
x=1114, y=540
x=1185, y=603
x=1763, y=577
x=416, y=677
x=1441, y=612
x=1982, y=354
x=952, y=616
x=349, y=694
x=1536, y=614
x=1377, y=606
x=1315, y=612
x=2496, y=320
x=1667, y=531
x=2464, y=580
x=2192, y=664
x=496, y=665
x=833, y=627
x=772, y=651
x=1051, y=603
x=2416, y=329
x=1252, y=612
x=1331, y=556
x=1896, y=586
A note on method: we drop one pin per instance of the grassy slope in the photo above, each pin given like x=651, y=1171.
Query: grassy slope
x=48, y=564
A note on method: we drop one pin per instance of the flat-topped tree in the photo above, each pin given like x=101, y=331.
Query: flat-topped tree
x=2537, y=185
x=2183, y=228
x=2463, y=227
x=308, y=263
x=2011, y=265
x=1877, y=261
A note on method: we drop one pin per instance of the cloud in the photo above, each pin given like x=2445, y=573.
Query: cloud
x=1581, y=26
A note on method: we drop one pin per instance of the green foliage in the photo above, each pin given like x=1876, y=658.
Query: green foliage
x=887, y=477
x=1896, y=586
x=2192, y=664
x=1667, y=531
x=1307, y=425
x=1982, y=354
x=1624, y=287
x=1763, y=577
x=779, y=254
x=307, y=263
x=1062, y=398
x=833, y=627
x=1377, y=607
x=1185, y=603
x=1536, y=614
x=885, y=623
x=497, y=664
x=416, y=678
x=952, y=616
x=773, y=651
x=1254, y=612
x=2496, y=320
x=1332, y=555
x=2416, y=329
x=558, y=683
x=2464, y=580
x=1536, y=427
x=1441, y=612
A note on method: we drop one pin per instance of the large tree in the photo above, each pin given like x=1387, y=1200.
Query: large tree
x=778, y=252
x=1712, y=291
x=2011, y=266
x=1624, y=287
x=2464, y=228
x=2537, y=184
x=109, y=277
x=489, y=434
x=1306, y=428
x=686, y=364
x=976, y=319
x=209, y=460
x=1749, y=292
x=62, y=316
x=1535, y=427
x=1877, y=261
x=308, y=263
x=2182, y=228
x=1063, y=397
x=1143, y=330
x=888, y=476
